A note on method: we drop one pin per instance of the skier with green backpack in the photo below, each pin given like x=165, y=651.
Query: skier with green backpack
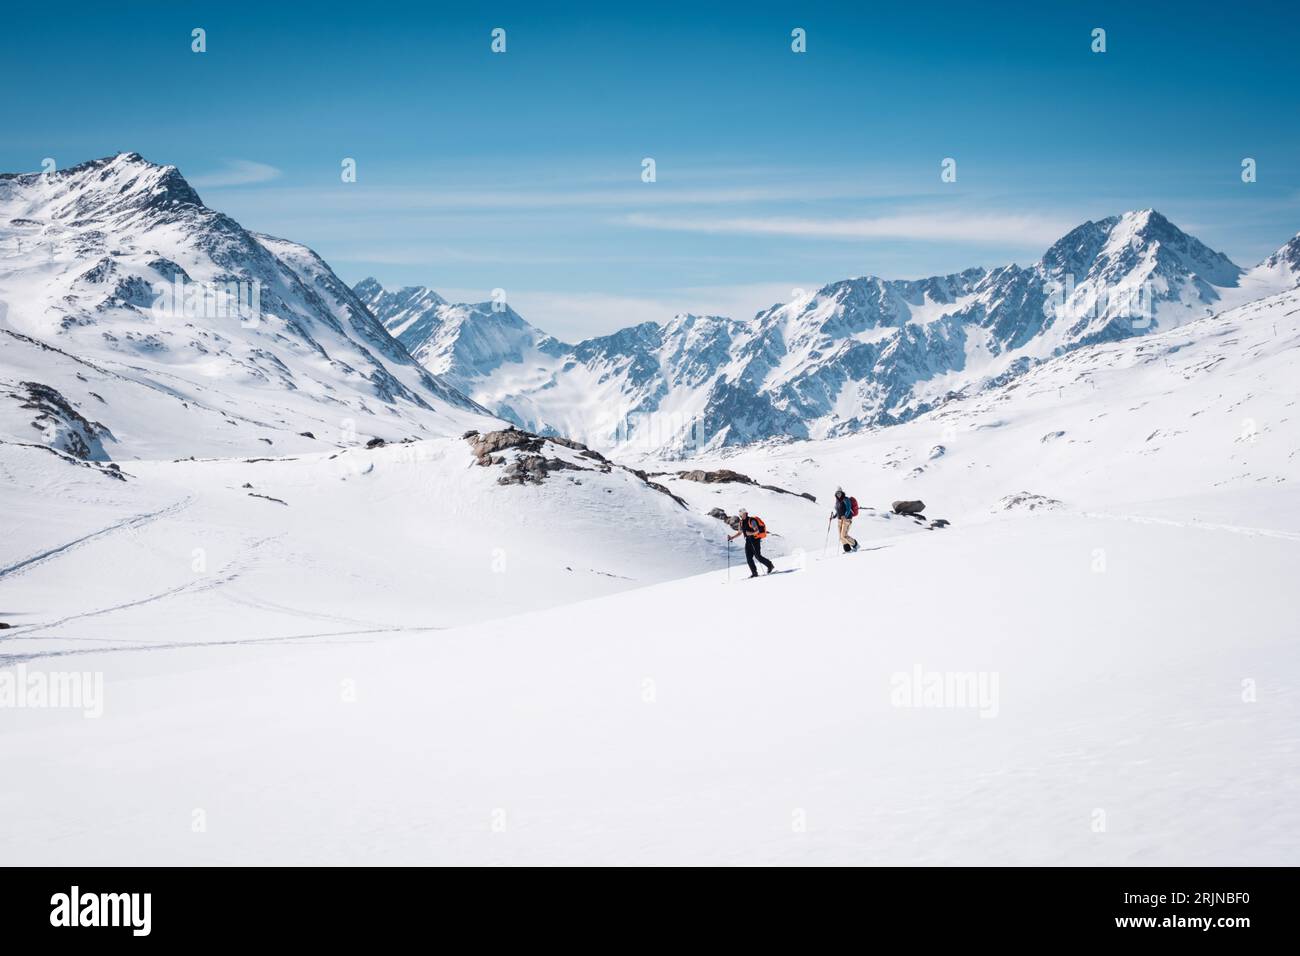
x=846, y=509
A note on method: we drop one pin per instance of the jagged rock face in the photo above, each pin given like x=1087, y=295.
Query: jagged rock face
x=1284, y=265
x=59, y=424
x=858, y=353
x=118, y=262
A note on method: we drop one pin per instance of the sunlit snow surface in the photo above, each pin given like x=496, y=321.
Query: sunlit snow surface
x=405, y=662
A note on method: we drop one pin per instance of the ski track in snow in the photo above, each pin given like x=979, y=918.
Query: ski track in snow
x=127, y=524
x=230, y=572
x=20, y=658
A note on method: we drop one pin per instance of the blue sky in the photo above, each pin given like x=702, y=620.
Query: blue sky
x=775, y=170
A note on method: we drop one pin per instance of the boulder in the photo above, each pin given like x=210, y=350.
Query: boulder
x=908, y=507
x=484, y=446
x=731, y=522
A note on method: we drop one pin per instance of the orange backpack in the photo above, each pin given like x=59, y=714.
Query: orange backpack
x=757, y=524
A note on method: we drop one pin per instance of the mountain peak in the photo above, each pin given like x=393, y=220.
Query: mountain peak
x=1285, y=261
x=1140, y=240
x=1146, y=224
x=122, y=182
x=390, y=302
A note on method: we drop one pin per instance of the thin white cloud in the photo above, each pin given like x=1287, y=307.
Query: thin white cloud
x=385, y=200
x=236, y=172
x=939, y=225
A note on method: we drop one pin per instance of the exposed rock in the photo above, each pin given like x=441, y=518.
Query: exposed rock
x=1027, y=501
x=530, y=465
x=533, y=468
x=1052, y=436
x=938, y=451
x=578, y=447
x=908, y=507
x=306, y=435
x=939, y=523
x=731, y=521
x=65, y=428
x=726, y=475
x=376, y=443
x=664, y=491
x=253, y=494
x=484, y=446
x=716, y=477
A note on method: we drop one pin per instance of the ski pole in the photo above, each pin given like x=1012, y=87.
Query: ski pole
x=827, y=544
x=728, y=560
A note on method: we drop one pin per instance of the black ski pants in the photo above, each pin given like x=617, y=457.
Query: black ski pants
x=754, y=551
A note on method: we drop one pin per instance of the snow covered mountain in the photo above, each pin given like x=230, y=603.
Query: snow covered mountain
x=857, y=353
x=137, y=322
x=463, y=344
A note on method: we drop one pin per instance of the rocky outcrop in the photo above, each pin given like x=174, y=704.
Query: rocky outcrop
x=524, y=457
x=1028, y=501
x=908, y=507
x=487, y=446
x=727, y=476
x=63, y=426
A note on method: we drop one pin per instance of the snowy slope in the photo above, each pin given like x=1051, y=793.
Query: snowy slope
x=339, y=684
x=700, y=722
x=181, y=333
x=411, y=536
x=854, y=354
